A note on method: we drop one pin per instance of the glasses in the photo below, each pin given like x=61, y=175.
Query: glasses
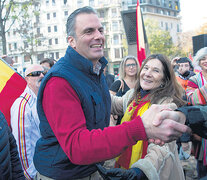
x=131, y=65
x=36, y=73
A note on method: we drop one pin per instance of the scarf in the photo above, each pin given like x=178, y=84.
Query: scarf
x=139, y=150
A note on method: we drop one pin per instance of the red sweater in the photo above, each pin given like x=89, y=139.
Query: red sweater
x=63, y=110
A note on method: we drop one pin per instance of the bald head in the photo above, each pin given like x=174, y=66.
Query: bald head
x=33, y=76
x=32, y=68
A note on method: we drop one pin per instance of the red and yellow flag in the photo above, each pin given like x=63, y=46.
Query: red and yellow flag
x=12, y=86
x=141, y=55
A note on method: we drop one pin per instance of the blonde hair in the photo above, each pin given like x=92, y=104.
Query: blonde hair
x=122, y=72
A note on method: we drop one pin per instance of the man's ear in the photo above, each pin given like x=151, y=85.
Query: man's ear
x=71, y=41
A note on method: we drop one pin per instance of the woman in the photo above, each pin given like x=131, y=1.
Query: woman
x=156, y=85
x=127, y=76
x=197, y=95
x=128, y=72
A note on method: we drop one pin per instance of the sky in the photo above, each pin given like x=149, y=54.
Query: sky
x=193, y=14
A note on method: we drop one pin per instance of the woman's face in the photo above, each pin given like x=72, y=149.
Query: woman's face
x=130, y=67
x=203, y=63
x=151, y=75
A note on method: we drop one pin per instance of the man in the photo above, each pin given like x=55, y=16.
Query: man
x=74, y=109
x=109, y=77
x=8, y=59
x=25, y=121
x=47, y=63
x=185, y=71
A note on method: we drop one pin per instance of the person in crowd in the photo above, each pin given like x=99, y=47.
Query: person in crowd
x=47, y=63
x=175, y=65
x=197, y=95
x=25, y=120
x=185, y=71
x=74, y=109
x=10, y=166
x=156, y=84
x=109, y=77
x=8, y=59
x=128, y=72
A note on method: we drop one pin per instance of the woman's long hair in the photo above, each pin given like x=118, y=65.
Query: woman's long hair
x=169, y=87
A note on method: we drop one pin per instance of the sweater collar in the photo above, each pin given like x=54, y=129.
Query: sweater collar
x=81, y=63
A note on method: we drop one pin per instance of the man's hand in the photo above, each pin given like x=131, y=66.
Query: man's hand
x=163, y=125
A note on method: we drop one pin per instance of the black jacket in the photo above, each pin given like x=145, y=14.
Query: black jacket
x=10, y=166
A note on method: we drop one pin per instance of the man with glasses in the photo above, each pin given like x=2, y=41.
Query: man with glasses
x=25, y=120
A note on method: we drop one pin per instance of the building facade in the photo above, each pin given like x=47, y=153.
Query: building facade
x=48, y=28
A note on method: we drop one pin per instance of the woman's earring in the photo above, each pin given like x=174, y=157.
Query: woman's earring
x=162, y=85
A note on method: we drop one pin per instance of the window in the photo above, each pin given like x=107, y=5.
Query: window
x=66, y=13
x=37, y=19
x=115, y=26
x=8, y=33
x=79, y=3
x=134, y=2
x=161, y=24
x=101, y=14
x=53, y=2
x=47, y=2
x=52, y=55
x=16, y=59
x=50, y=42
x=40, y=56
x=25, y=44
x=178, y=28
x=166, y=26
x=170, y=4
x=38, y=30
x=116, y=39
x=26, y=58
x=171, y=25
x=39, y=43
x=10, y=46
x=65, y=1
x=57, y=55
x=56, y=40
x=49, y=29
x=15, y=46
x=114, y=14
x=55, y=28
x=14, y=32
x=54, y=14
x=91, y=3
x=176, y=5
x=117, y=52
x=48, y=16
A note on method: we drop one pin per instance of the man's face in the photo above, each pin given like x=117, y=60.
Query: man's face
x=34, y=77
x=89, y=40
x=183, y=67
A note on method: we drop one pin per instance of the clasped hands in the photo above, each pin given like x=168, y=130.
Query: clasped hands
x=163, y=125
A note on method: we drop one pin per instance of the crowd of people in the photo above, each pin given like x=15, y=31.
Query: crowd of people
x=61, y=121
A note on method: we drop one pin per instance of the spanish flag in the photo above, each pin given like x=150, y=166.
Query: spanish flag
x=141, y=35
x=12, y=86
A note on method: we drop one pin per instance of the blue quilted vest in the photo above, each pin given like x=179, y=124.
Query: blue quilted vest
x=49, y=159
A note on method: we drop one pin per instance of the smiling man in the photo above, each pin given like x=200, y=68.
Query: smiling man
x=74, y=109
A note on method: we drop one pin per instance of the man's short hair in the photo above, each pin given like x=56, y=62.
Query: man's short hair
x=50, y=61
x=185, y=60
x=8, y=59
x=71, y=21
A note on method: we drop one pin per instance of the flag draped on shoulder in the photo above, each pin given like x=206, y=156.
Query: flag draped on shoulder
x=141, y=35
x=12, y=86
